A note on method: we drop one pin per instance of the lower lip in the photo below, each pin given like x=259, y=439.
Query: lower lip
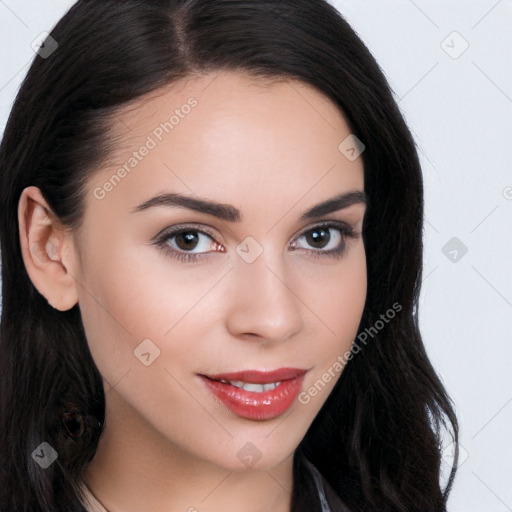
x=256, y=406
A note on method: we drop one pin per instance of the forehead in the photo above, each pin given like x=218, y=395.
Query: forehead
x=231, y=137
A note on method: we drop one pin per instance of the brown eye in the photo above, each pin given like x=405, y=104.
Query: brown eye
x=327, y=239
x=187, y=240
x=318, y=237
x=179, y=242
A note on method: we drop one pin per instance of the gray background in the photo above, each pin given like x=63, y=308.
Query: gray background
x=458, y=103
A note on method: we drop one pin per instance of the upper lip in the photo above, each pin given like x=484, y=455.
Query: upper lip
x=260, y=377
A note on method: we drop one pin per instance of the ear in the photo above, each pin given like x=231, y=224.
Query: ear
x=47, y=249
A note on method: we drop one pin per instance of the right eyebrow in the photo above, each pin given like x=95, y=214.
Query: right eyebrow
x=219, y=210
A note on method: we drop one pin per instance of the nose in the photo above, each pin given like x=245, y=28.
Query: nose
x=263, y=305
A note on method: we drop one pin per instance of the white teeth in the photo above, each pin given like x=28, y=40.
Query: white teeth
x=256, y=388
x=249, y=386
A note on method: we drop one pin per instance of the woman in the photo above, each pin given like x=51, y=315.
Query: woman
x=280, y=367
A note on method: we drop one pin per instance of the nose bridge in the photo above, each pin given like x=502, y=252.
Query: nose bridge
x=263, y=302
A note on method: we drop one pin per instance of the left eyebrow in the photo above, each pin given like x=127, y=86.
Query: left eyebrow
x=231, y=214
x=336, y=203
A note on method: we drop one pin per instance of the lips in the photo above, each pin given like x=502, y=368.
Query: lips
x=254, y=394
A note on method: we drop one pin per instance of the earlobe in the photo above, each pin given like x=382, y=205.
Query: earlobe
x=45, y=249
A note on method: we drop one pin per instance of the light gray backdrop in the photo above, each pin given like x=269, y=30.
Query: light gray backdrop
x=450, y=66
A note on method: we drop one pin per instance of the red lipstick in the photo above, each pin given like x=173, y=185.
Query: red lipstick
x=254, y=394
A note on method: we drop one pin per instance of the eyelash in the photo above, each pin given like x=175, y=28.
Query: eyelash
x=162, y=239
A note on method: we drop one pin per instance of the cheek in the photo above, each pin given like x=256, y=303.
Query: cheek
x=338, y=305
x=119, y=306
x=339, y=300
x=142, y=341
x=134, y=291
x=135, y=302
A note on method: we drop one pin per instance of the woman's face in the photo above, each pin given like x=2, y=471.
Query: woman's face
x=259, y=290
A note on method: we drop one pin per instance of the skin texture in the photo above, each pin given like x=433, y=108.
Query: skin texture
x=271, y=150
